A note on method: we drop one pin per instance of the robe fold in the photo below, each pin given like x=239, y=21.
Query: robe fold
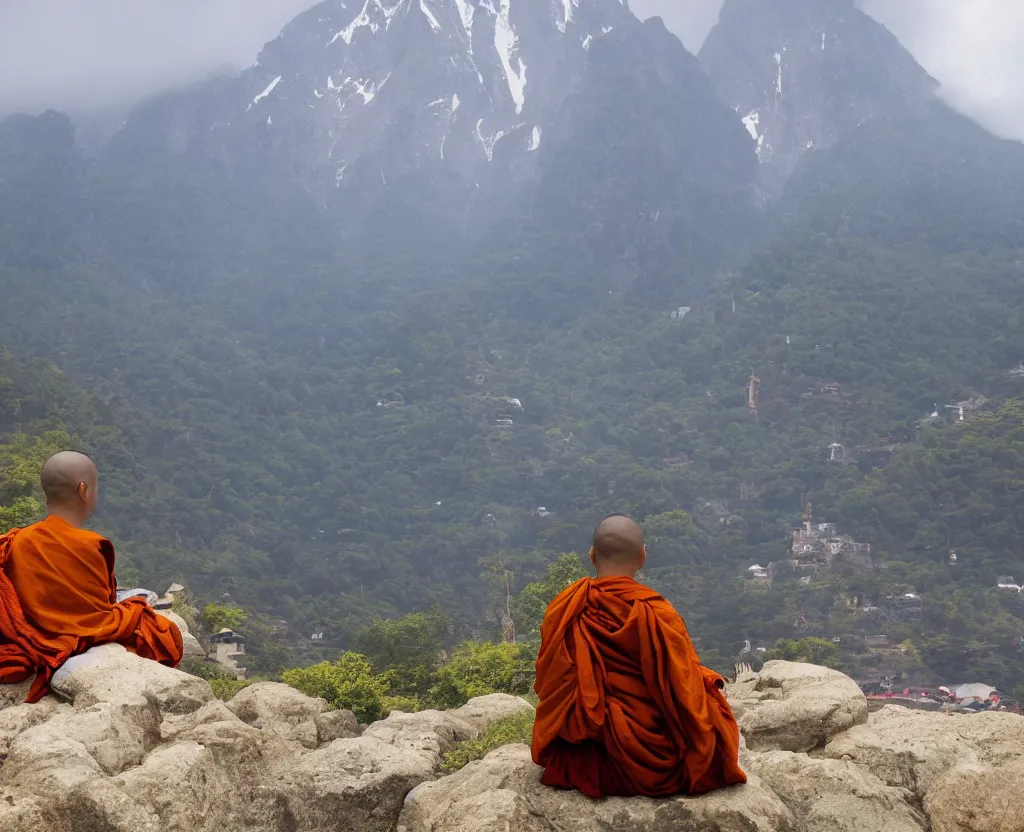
x=58, y=598
x=625, y=706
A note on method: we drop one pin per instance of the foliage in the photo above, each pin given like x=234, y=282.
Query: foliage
x=477, y=669
x=408, y=648
x=21, y=458
x=517, y=728
x=234, y=363
x=405, y=704
x=810, y=650
x=217, y=617
x=225, y=689
x=347, y=683
x=532, y=602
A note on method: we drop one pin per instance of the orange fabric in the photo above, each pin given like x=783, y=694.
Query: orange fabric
x=625, y=706
x=58, y=598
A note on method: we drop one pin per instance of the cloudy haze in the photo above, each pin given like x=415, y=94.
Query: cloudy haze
x=101, y=54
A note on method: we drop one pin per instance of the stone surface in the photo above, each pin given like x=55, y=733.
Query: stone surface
x=503, y=793
x=835, y=795
x=484, y=710
x=281, y=710
x=961, y=767
x=110, y=673
x=12, y=695
x=973, y=797
x=359, y=785
x=147, y=749
x=336, y=725
x=796, y=707
x=193, y=649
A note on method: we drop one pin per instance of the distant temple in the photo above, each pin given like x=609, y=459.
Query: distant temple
x=822, y=547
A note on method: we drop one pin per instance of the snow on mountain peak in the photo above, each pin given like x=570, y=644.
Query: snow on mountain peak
x=459, y=76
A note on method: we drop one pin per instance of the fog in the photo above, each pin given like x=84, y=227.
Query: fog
x=109, y=54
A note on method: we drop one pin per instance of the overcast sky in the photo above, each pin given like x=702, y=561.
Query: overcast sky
x=78, y=55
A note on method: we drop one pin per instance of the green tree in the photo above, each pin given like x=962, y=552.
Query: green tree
x=217, y=617
x=809, y=650
x=347, y=683
x=407, y=649
x=534, y=598
x=21, y=459
x=478, y=668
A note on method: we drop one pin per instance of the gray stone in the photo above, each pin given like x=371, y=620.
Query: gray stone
x=796, y=707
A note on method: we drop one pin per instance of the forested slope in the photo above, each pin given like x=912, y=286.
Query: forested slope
x=330, y=420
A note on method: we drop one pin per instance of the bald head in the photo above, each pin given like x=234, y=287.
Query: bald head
x=70, y=483
x=618, y=545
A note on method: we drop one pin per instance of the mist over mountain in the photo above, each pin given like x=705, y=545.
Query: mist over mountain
x=420, y=295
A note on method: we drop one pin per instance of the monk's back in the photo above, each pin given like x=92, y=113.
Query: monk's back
x=625, y=706
x=63, y=576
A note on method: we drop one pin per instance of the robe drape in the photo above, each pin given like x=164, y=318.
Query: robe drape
x=58, y=598
x=626, y=708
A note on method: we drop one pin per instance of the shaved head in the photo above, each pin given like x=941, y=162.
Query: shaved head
x=618, y=543
x=69, y=478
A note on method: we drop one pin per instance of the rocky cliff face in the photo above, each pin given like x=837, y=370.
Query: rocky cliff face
x=130, y=745
x=804, y=74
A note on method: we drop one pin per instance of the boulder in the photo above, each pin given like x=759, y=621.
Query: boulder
x=973, y=797
x=358, y=785
x=336, y=725
x=193, y=649
x=22, y=814
x=142, y=748
x=281, y=710
x=18, y=719
x=483, y=710
x=503, y=793
x=109, y=673
x=13, y=695
x=113, y=737
x=834, y=794
x=796, y=707
x=914, y=749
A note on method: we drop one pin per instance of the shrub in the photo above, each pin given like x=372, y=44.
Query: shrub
x=347, y=683
x=517, y=728
x=478, y=668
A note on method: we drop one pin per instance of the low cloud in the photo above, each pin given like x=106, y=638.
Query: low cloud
x=94, y=55
x=971, y=47
x=105, y=54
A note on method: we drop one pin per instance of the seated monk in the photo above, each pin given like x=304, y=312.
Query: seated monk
x=625, y=706
x=58, y=594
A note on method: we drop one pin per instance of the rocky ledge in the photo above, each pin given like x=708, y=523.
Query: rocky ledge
x=129, y=745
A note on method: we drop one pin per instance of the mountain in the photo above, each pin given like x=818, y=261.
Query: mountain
x=343, y=398
x=464, y=119
x=805, y=74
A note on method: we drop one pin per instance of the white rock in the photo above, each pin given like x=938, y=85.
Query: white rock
x=359, y=785
x=14, y=695
x=972, y=797
x=18, y=719
x=503, y=792
x=835, y=794
x=914, y=749
x=796, y=707
x=336, y=725
x=281, y=710
x=110, y=673
x=193, y=649
x=483, y=710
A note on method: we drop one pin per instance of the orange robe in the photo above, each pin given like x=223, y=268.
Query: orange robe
x=58, y=598
x=625, y=706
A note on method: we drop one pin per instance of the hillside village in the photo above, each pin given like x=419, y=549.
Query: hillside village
x=885, y=668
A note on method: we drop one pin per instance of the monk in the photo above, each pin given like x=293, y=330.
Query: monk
x=625, y=706
x=58, y=594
